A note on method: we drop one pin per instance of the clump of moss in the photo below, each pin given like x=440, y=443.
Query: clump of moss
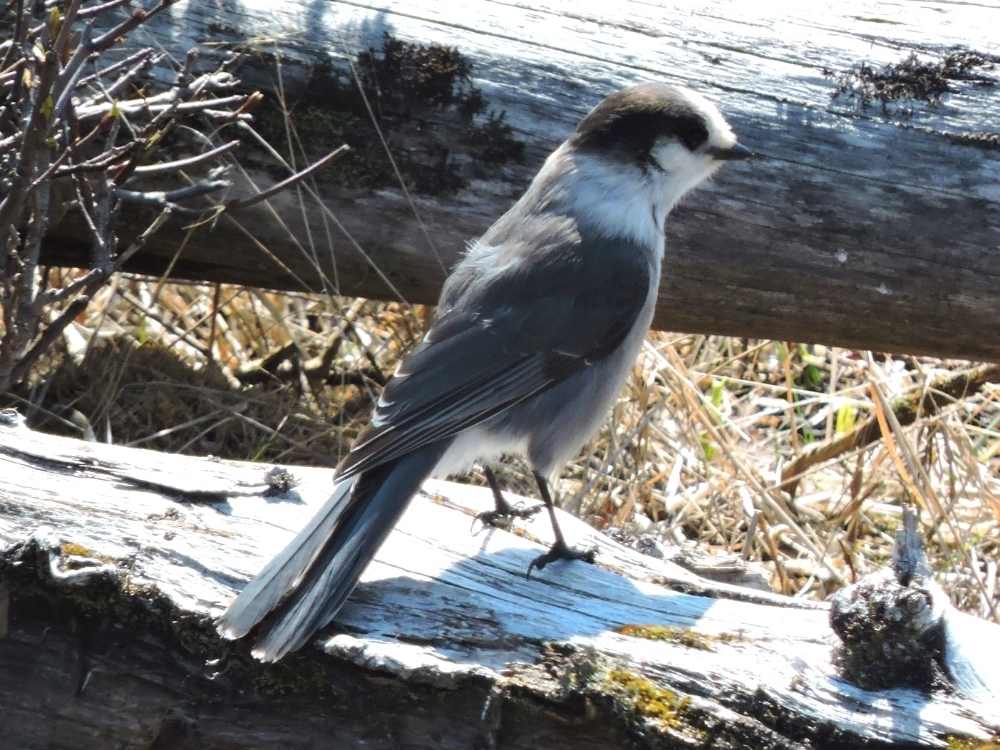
x=895, y=87
x=72, y=548
x=407, y=77
x=960, y=743
x=648, y=699
x=682, y=636
x=436, y=122
x=885, y=640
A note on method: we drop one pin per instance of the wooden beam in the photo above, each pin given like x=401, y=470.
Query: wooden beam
x=853, y=229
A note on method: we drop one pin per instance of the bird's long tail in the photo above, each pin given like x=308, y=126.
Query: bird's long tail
x=303, y=587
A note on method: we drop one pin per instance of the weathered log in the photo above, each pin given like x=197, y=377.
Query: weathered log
x=854, y=229
x=115, y=560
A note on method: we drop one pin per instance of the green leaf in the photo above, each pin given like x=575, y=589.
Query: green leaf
x=55, y=21
x=707, y=447
x=847, y=415
x=716, y=395
x=47, y=106
x=782, y=351
x=809, y=358
x=813, y=375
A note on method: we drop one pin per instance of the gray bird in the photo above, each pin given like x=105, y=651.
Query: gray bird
x=536, y=332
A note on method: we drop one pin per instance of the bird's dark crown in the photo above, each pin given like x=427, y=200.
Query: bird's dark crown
x=631, y=121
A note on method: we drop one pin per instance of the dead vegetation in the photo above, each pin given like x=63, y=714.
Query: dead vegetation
x=86, y=128
x=895, y=87
x=82, y=129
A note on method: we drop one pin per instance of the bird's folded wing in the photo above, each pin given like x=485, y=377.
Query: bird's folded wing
x=510, y=336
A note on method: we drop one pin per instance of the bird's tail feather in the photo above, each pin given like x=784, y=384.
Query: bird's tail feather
x=321, y=566
x=284, y=571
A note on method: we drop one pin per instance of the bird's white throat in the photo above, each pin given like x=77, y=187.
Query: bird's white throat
x=623, y=200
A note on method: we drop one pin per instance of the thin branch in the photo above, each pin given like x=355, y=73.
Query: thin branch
x=65, y=84
x=289, y=181
x=224, y=116
x=172, y=166
x=96, y=10
x=90, y=281
x=142, y=106
x=114, y=68
x=169, y=198
x=141, y=240
x=45, y=341
x=137, y=18
x=139, y=69
x=24, y=167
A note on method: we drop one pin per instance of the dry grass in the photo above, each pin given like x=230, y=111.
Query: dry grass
x=693, y=452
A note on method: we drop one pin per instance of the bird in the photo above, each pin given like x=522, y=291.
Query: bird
x=536, y=331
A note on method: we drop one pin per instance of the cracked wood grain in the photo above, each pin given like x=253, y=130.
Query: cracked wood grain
x=110, y=626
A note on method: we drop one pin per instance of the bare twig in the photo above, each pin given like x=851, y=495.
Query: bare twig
x=170, y=198
x=131, y=23
x=288, y=182
x=42, y=78
x=173, y=166
x=96, y=10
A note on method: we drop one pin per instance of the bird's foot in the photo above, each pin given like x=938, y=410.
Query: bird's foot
x=562, y=551
x=504, y=513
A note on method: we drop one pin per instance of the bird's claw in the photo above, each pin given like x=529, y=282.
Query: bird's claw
x=507, y=511
x=561, y=551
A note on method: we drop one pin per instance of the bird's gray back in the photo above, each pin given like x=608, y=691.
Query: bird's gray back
x=547, y=294
x=552, y=426
x=559, y=421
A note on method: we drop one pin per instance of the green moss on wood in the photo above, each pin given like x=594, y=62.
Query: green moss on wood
x=681, y=636
x=647, y=698
x=961, y=743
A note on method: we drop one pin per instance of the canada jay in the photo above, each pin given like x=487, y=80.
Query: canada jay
x=536, y=332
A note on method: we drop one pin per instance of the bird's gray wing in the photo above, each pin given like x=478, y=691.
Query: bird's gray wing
x=514, y=332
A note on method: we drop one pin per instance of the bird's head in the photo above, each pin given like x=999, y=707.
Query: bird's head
x=645, y=147
x=656, y=127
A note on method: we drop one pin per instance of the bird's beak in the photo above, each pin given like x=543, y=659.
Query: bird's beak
x=736, y=152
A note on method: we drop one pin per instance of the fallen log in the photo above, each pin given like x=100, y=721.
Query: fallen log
x=113, y=562
x=858, y=227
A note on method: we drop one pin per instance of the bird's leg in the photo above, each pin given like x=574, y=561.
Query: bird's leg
x=503, y=509
x=560, y=550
